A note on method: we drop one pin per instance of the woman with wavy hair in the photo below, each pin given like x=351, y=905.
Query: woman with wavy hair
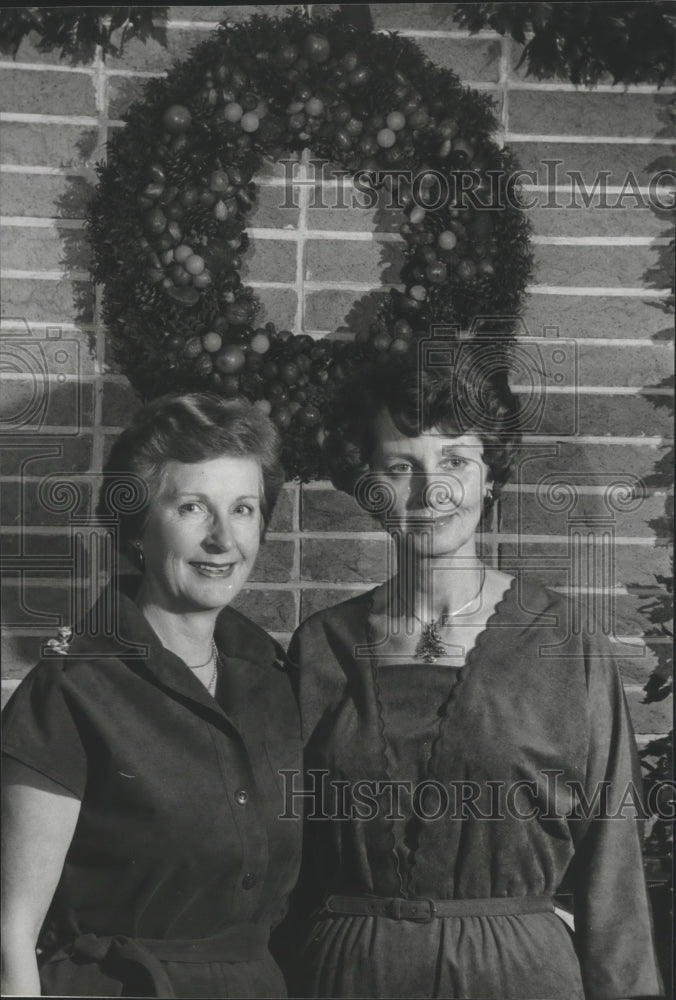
x=143, y=854
x=457, y=729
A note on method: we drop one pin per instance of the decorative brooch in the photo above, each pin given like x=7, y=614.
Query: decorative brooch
x=62, y=642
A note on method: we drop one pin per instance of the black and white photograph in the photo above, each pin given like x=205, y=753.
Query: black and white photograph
x=336, y=451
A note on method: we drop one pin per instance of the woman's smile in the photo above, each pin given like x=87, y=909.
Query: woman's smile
x=214, y=569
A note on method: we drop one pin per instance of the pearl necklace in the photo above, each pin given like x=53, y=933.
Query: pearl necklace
x=213, y=659
x=431, y=646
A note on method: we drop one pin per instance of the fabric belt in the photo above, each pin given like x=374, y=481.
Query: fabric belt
x=236, y=943
x=424, y=910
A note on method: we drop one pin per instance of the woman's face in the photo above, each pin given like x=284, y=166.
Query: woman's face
x=202, y=533
x=439, y=483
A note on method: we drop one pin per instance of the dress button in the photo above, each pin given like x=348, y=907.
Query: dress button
x=249, y=881
x=241, y=796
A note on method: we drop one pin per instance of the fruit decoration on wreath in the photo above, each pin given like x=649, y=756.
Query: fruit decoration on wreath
x=168, y=220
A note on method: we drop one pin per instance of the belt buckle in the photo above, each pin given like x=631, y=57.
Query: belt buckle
x=431, y=910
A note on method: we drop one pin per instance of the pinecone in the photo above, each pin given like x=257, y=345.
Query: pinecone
x=148, y=295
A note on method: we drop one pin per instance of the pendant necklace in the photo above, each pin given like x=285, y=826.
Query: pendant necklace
x=430, y=645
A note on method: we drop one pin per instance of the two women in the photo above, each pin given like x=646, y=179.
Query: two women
x=143, y=853
x=452, y=721
x=455, y=724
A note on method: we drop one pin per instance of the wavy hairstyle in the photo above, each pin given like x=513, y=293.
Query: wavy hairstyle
x=454, y=399
x=187, y=427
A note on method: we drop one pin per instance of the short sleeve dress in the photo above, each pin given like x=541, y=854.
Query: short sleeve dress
x=475, y=786
x=179, y=865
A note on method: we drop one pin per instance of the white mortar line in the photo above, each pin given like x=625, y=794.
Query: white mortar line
x=580, y=341
x=325, y=484
x=22, y=326
x=592, y=390
x=642, y=541
x=641, y=189
x=356, y=236
x=505, y=57
x=593, y=290
x=514, y=489
x=98, y=437
x=182, y=25
x=304, y=198
x=608, y=140
x=654, y=441
x=533, y=488
x=485, y=34
x=9, y=324
x=143, y=74
x=48, y=379
x=45, y=119
x=28, y=168
x=46, y=67
x=359, y=286
x=619, y=89
x=45, y=275
x=348, y=185
x=549, y=189
x=317, y=286
x=512, y=539
x=41, y=222
x=601, y=241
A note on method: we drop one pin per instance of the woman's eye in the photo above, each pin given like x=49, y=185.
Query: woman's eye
x=399, y=468
x=191, y=507
x=455, y=462
x=243, y=509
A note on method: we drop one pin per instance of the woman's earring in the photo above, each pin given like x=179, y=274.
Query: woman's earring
x=139, y=553
x=488, y=496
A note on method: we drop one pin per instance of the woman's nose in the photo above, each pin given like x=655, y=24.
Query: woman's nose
x=434, y=491
x=221, y=534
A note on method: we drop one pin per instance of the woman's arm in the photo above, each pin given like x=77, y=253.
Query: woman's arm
x=613, y=920
x=39, y=819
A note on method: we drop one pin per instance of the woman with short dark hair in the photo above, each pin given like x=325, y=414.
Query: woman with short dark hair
x=143, y=850
x=452, y=717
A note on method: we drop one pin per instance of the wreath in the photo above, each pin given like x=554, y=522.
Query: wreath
x=168, y=220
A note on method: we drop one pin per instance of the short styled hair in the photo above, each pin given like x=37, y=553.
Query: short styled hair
x=189, y=427
x=454, y=399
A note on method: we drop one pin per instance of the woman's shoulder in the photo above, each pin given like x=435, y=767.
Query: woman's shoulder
x=241, y=637
x=345, y=616
x=64, y=676
x=524, y=594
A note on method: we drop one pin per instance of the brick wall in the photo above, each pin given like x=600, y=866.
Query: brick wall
x=598, y=289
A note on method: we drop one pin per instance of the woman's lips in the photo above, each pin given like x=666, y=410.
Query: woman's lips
x=425, y=520
x=214, y=570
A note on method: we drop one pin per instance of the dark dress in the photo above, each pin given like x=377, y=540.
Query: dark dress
x=179, y=865
x=535, y=717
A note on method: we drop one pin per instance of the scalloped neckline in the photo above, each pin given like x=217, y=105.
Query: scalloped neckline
x=480, y=640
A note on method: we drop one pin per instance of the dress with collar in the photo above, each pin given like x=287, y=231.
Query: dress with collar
x=179, y=865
